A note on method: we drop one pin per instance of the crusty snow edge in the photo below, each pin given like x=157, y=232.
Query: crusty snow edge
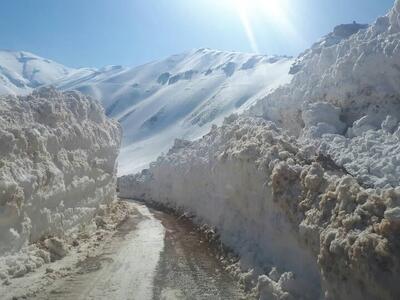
x=57, y=164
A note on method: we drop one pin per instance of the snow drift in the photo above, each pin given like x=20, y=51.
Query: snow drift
x=57, y=164
x=306, y=185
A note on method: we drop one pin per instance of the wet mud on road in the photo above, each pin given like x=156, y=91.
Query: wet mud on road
x=188, y=269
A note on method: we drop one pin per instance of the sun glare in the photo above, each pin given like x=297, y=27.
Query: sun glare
x=275, y=12
x=243, y=11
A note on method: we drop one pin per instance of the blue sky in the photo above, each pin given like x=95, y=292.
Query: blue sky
x=131, y=32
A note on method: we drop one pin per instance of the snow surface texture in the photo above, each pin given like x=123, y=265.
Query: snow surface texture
x=178, y=97
x=355, y=71
x=370, y=153
x=21, y=72
x=312, y=228
x=57, y=164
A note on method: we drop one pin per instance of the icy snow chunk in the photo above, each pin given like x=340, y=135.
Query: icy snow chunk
x=389, y=124
x=322, y=118
x=393, y=214
x=372, y=156
x=57, y=248
x=361, y=126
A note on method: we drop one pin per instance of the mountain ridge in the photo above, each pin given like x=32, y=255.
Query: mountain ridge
x=180, y=96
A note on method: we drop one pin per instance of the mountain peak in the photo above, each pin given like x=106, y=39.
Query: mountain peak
x=22, y=71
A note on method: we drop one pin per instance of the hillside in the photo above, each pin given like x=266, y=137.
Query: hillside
x=178, y=97
x=21, y=72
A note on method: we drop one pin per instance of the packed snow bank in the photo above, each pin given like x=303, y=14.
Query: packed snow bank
x=221, y=179
x=347, y=86
x=57, y=164
x=312, y=228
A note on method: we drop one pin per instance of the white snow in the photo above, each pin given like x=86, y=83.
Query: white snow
x=178, y=97
x=302, y=221
x=347, y=84
x=221, y=179
x=373, y=156
x=21, y=72
x=57, y=164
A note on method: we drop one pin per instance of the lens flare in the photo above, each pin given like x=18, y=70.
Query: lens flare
x=242, y=9
x=276, y=12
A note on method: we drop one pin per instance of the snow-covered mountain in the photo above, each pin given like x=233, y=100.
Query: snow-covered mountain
x=179, y=97
x=21, y=72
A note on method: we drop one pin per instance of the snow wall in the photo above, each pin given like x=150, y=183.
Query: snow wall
x=306, y=185
x=325, y=234
x=57, y=164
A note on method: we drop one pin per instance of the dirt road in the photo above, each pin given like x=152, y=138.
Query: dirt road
x=153, y=255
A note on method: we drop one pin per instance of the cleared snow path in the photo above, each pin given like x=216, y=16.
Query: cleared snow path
x=152, y=256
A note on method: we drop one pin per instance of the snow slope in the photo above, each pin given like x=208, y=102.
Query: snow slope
x=21, y=72
x=179, y=97
x=57, y=164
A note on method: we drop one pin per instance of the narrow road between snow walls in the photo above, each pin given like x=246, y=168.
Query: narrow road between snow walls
x=151, y=255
